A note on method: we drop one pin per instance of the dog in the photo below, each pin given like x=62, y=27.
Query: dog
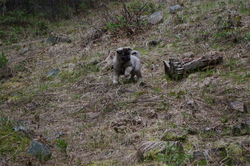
x=126, y=62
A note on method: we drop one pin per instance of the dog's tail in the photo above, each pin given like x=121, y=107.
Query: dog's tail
x=136, y=53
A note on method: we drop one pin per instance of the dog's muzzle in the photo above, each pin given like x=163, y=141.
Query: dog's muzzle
x=125, y=58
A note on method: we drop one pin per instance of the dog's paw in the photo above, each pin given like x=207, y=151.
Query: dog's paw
x=127, y=77
x=143, y=84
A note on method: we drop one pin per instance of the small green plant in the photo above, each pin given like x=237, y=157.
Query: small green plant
x=207, y=73
x=224, y=34
x=164, y=105
x=62, y=145
x=108, y=108
x=246, y=37
x=92, y=67
x=78, y=161
x=208, y=134
x=231, y=64
x=177, y=95
x=174, y=156
x=157, y=90
x=3, y=60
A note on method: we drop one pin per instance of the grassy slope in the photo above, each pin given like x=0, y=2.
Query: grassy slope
x=83, y=103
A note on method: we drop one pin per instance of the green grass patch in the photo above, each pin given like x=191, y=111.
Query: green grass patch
x=173, y=156
x=11, y=142
x=237, y=73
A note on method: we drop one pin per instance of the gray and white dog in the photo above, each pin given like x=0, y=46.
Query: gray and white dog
x=126, y=62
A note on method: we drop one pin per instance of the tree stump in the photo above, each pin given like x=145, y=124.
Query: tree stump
x=176, y=69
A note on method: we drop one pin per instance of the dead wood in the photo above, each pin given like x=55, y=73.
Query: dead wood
x=176, y=69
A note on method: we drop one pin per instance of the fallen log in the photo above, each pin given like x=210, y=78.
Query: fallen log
x=176, y=69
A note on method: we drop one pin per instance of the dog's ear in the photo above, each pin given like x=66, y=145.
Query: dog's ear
x=129, y=48
x=119, y=51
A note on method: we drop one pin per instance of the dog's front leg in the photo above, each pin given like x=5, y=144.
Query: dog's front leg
x=128, y=71
x=115, y=78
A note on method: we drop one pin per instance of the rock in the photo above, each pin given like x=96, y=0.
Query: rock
x=247, y=47
x=79, y=133
x=205, y=82
x=188, y=55
x=244, y=62
x=190, y=103
x=166, y=23
x=174, y=135
x=242, y=128
x=19, y=128
x=39, y=150
x=1, y=43
x=192, y=131
x=72, y=66
x=59, y=134
x=246, y=107
x=238, y=106
x=49, y=139
x=5, y=72
x=143, y=18
x=152, y=114
x=153, y=66
x=131, y=139
x=149, y=149
x=168, y=116
x=210, y=128
x=179, y=35
x=92, y=115
x=136, y=121
x=24, y=50
x=174, y=9
x=153, y=42
x=246, y=144
x=155, y=18
x=54, y=72
x=199, y=156
x=218, y=152
x=57, y=39
x=121, y=125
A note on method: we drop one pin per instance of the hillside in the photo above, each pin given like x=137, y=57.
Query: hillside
x=61, y=93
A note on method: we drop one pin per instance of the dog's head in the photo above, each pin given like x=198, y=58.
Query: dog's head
x=124, y=53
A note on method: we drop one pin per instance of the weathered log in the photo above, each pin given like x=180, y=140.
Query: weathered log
x=176, y=69
x=173, y=68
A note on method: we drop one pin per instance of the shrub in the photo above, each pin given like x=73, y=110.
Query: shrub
x=3, y=60
x=128, y=19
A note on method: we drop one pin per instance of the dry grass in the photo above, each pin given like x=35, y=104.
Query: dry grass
x=103, y=123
